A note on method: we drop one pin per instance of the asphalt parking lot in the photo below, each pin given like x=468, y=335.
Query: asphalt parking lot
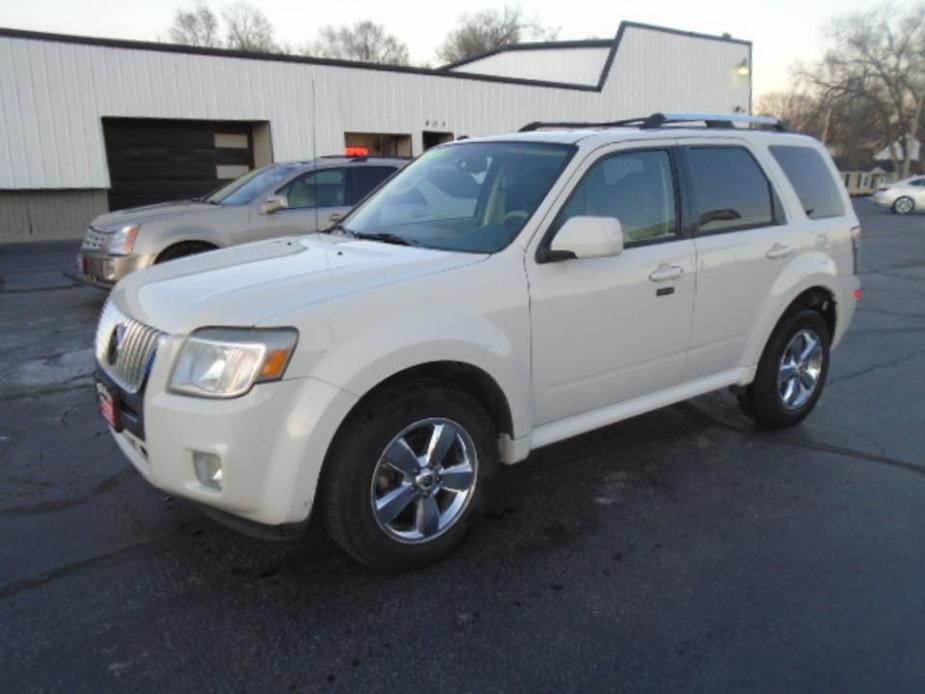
x=680, y=550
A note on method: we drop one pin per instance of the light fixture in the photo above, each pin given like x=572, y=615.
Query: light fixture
x=208, y=467
x=743, y=69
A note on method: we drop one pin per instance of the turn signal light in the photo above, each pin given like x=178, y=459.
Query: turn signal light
x=275, y=364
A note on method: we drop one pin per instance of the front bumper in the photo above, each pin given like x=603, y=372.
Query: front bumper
x=103, y=270
x=271, y=443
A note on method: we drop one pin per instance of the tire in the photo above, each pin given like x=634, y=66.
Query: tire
x=181, y=250
x=356, y=475
x=780, y=396
x=903, y=205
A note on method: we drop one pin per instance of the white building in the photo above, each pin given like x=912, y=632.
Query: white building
x=89, y=123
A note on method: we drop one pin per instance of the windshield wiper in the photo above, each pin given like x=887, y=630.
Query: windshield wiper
x=385, y=237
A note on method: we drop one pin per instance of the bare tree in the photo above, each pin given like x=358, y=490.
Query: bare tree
x=876, y=62
x=489, y=29
x=197, y=26
x=799, y=109
x=248, y=29
x=366, y=41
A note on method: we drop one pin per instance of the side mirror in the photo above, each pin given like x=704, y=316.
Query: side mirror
x=274, y=203
x=587, y=237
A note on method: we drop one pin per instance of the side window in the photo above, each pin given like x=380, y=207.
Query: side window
x=919, y=182
x=324, y=188
x=731, y=191
x=635, y=187
x=365, y=178
x=812, y=181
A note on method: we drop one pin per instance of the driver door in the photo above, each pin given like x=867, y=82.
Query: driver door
x=316, y=200
x=607, y=330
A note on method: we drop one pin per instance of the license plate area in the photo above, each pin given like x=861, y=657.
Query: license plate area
x=108, y=406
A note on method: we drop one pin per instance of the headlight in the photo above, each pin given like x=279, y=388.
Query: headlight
x=123, y=240
x=227, y=362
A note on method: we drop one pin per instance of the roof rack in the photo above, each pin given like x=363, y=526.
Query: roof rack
x=658, y=120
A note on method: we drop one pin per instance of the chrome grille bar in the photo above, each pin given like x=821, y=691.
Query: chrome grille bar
x=127, y=360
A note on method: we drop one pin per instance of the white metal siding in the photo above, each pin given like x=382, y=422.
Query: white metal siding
x=573, y=65
x=54, y=94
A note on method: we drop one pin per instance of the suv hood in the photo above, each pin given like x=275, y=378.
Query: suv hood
x=137, y=215
x=245, y=285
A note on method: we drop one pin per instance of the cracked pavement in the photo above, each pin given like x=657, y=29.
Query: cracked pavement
x=680, y=550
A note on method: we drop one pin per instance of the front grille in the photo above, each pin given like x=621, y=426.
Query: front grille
x=125, y=347
x=95, y=240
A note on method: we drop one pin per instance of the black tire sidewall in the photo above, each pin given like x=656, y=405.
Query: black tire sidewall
x=766, y=404
x=182, y=251
x=347, y=477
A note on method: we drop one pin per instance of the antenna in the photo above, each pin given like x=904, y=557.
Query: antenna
x=315, y=155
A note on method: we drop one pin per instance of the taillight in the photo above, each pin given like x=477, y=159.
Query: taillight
x=855, y=247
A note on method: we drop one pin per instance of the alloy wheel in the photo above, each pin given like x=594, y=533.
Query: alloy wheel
x=904, y=205
x=800, y=369
x=424, y=480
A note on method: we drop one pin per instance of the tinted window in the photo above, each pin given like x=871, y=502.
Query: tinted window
x=636, y=187
x=919, y=182
x=730, y=190
x=325, y=188
x=811, y=180
x=365, y=178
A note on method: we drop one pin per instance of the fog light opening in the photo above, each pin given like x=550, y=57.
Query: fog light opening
x=208, y=468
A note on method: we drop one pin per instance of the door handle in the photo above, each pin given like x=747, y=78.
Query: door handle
x=665, y=272
x=779, y=250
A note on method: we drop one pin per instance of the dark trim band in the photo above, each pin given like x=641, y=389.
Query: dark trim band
x=444, y=72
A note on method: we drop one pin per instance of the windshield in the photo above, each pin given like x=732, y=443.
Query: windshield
x=243, y=191
x=473, y=197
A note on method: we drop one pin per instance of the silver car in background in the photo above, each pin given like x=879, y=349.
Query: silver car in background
x=903, y=197
x=277, y=200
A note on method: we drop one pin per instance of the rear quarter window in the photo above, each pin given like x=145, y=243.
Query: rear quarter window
x=811, y=179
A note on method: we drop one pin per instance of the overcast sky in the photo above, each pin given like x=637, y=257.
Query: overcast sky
x=783, y=31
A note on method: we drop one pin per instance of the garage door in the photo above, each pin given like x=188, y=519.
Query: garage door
x=156, y=160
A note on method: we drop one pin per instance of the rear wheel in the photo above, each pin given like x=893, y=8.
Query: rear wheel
x=181, y=250
x=792, y=372
x=903, y=205
x=409, y=474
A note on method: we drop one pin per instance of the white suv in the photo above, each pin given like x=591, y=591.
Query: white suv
x=497, y=295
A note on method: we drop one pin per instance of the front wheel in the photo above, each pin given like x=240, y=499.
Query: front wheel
x=792, y=372
x=903, y=205
x=409, y=474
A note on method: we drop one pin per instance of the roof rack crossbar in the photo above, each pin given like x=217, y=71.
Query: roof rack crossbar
x=658, y=120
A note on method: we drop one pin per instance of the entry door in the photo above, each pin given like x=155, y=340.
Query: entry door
x=607, y=330
x=316, y=200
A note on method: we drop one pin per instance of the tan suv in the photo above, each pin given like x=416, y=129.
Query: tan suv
x=277, y=200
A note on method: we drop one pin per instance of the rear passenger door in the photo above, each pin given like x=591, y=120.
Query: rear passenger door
x=742, y=244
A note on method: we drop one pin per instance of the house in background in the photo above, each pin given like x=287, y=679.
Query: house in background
x=864, y=168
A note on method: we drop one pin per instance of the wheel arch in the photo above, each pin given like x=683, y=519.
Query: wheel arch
x=474, y=380
x=809, y=283
x=191, y=242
